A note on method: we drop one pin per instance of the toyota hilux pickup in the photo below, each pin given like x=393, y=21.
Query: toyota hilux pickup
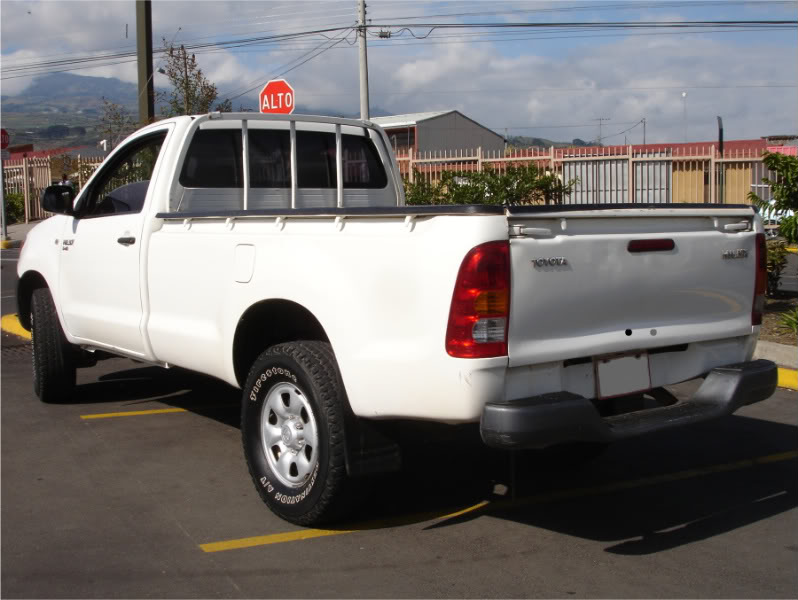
x=276, y=253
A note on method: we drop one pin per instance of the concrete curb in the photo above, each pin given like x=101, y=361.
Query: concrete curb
x=10, y=324
x=10, y=244
x=783, y=355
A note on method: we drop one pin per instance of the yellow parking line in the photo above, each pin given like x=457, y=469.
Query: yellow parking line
x=11, y=324
x=788, y=378
x=305, y=534
x=133, y=413
x=275, y=538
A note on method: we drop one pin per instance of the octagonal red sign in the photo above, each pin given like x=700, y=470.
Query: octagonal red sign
x=277, y=96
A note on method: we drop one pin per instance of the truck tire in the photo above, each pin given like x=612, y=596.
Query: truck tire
x=292, y=430
x=53, y=362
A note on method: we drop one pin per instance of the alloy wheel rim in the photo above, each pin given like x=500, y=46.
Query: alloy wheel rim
x=289, y=434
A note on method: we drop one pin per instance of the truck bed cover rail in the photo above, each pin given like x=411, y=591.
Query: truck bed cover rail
x=467, y=209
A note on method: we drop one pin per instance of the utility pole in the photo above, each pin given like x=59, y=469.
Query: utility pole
x=722, y=174
x=144, y=55
x=644, y=130
x=364, y=65
x=600, y=122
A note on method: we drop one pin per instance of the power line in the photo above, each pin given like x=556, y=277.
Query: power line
x=600, y=7
x=280, y=74
x=43, y=67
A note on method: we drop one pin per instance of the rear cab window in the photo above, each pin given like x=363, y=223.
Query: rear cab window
x=211, y=177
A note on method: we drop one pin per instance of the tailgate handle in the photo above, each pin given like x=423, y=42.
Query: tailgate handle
x=521, y=231
x=656, y=245
x=741, y=226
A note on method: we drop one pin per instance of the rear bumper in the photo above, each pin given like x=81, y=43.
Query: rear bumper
x=562, y=417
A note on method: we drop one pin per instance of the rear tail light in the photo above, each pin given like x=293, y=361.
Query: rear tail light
x=761, y=279
x=480, y=309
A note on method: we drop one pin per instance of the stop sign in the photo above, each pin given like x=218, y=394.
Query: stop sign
x=3, y=139
x=277, y=96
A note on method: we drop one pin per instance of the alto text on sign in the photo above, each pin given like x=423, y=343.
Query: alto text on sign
x=277, y=97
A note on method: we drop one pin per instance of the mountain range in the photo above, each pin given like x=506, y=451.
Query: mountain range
x=64, y=109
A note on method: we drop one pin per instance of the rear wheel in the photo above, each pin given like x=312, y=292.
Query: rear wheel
x=292, y=429
x=53, y=357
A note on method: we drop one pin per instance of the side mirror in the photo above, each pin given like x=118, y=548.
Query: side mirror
x=58, y=199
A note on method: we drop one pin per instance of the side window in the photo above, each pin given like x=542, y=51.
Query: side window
x=122, y=186
x=213, y=160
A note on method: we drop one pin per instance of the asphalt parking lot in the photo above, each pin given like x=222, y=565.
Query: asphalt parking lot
x=139, y=489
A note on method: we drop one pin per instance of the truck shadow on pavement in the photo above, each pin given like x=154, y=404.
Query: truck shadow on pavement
x=642, y=496
x=142, y=388
x=653, y=494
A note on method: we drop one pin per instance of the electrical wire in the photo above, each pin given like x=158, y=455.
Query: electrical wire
x=108, y=59
x=236, y=94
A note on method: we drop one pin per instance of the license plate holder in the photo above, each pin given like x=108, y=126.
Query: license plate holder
x=622, y=374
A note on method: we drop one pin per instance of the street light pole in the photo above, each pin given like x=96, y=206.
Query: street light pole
x=684, y=101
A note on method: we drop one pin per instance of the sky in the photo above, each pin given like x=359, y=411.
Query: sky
x=555, y=83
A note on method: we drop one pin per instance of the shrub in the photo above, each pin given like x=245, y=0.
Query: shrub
x=789, y=320
x=15, y=208
x=777, y=261
x=513, y=186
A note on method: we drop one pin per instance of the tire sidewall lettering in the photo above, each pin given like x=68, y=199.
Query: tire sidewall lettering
x=254, y=394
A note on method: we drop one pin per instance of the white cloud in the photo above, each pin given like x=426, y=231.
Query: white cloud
x=486, y=81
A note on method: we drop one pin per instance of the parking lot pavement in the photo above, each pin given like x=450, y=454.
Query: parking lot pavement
x=139, y=489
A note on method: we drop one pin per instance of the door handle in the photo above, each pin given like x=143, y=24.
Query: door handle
x=126, y=241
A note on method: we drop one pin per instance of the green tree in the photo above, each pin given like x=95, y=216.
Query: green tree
x=784, y=189
x=191, y=92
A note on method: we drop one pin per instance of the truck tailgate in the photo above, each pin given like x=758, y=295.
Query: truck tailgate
x=591, y=282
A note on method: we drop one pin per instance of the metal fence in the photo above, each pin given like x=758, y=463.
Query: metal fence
x=601, y=175
x=30, y=176
x=607, y=174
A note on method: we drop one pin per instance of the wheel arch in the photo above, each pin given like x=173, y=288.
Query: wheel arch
x=267, y=323
x=30, y=281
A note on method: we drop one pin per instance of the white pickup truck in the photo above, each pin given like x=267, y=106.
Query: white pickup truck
x=277, y=254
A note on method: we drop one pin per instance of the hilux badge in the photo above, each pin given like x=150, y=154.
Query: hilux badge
x=739, y=253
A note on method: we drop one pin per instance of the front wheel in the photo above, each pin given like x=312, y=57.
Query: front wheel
x=292, y=429
x=53, y=357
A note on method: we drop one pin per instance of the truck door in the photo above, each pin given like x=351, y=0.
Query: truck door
x=100, y=280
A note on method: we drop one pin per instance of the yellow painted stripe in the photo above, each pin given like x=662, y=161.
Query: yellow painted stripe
x=792, y=249
x=305, y=534
x=788, y=378
x=133, y=413
x=275, y=538
x=11, y=324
